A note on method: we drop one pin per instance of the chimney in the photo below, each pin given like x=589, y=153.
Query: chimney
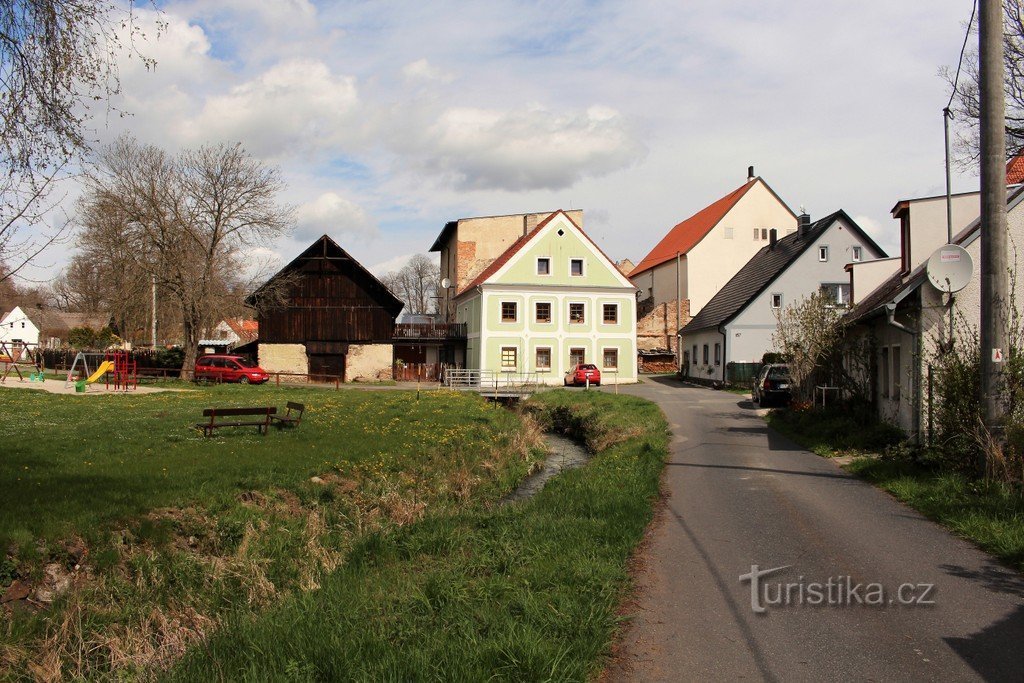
x=805, y=223
x=773, y=237
x=750, y=173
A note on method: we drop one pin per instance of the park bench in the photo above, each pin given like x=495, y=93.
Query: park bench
x=292, y=416
x=217, y=416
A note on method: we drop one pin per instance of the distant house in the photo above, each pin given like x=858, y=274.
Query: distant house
x=551, y=299
x=699, y=256
x=325, y=315
x=229, y=334
x=737, y=324
x=17, y=327
x=905, y=320
x=47, y=327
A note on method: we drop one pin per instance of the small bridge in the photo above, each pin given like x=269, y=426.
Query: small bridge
x=491, y=384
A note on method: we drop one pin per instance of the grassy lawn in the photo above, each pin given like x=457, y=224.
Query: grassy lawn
x=989, y=514
x=395, y=562
x=519, y=592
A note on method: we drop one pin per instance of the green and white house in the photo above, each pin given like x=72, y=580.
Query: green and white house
x=550, y=301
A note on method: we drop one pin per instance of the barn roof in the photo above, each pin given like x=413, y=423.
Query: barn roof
x=327, y=249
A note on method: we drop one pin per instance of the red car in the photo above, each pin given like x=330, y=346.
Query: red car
x=579, y=375
x=225, y=368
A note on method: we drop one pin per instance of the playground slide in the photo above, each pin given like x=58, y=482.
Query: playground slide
x=103, y=369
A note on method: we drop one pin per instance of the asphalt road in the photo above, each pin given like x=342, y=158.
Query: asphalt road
x=738, y=496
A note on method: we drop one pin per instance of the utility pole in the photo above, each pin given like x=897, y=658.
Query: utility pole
x=994, y=274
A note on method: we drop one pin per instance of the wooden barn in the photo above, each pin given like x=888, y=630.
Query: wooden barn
x=325, y=315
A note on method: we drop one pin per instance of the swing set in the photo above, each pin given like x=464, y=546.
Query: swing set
x=119, y=369
x=16, y=355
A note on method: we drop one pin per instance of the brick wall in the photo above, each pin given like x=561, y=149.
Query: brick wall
x=657, y=329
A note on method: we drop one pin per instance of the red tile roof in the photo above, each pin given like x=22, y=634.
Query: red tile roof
x=687, y=234
x=518, y=245
x=1015, y=170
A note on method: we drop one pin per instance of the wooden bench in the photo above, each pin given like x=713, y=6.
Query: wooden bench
x=262, y=425
x=292, y=416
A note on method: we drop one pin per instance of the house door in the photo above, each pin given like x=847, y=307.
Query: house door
x=326, y=367
x=577, y=356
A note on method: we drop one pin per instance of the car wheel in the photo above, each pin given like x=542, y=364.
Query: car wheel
x=243, y=380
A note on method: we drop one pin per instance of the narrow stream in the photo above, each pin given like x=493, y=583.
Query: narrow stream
x=563, y=454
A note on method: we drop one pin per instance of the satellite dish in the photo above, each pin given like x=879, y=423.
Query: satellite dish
x=950, y=268
x=445, y=283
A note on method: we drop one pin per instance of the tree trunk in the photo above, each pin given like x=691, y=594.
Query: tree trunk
x=191, y=345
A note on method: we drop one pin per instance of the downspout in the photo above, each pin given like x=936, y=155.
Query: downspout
x=890, y=313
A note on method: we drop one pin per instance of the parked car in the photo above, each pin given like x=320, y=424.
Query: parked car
x=579, y=374
x=228, y=368
x=772, y=385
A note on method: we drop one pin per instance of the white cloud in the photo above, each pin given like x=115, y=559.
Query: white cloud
x=332, y=214
x=298, y=108
x=530, y=149
x=422, y=70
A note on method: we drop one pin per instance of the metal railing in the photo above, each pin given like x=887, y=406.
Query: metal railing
x=404, y=331
x=484, y=381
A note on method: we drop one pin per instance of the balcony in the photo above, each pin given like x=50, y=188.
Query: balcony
x=429, y=331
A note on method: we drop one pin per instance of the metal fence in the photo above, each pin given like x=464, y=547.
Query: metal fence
x=742, y=374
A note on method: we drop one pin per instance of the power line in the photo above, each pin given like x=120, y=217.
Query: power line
x=963, y=48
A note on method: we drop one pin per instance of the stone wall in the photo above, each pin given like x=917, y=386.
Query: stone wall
x=368, y=362
x=657, y=329
x=283, y=358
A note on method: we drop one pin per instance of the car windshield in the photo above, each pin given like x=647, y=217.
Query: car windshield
x=245, y=363
x=778, y=373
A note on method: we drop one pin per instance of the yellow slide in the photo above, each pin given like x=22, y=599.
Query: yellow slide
x=103, y=369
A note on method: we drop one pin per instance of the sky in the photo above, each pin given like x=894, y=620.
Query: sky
x=388, y=119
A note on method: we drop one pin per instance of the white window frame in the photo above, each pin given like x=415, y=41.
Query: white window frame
x=728, y=233
x=537, y=365
x=616, y=305
x=569, y=312
x=515, y=319
x=604, y=351
x=515, y=357
x=823, y=253
x=718, y=354
x=771, y=301
x=583, y=357
x=583, y=266
x=857, y=254
x=537, y=270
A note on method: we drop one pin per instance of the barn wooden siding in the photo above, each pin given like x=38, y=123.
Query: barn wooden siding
x=331, y=299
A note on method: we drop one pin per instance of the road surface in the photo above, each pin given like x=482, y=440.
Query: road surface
x=739, y=496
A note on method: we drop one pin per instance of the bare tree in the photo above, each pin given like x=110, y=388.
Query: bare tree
x=416, y=284
x=966, y=98
x=186, y=220
x=57, y=58
x=808, y=333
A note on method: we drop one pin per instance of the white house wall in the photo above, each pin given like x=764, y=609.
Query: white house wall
x=716, y=258
x=17, y=326
x=697, y=367
x=750, y=332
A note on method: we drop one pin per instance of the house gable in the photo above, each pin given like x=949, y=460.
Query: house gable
x=561, y=241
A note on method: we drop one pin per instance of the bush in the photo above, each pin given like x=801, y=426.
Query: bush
x=840, y=429
x=172, y=358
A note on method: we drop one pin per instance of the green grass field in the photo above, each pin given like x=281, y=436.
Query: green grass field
x=396, y=562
